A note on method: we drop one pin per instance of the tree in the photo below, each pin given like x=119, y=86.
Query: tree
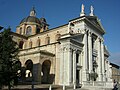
x=9, y=62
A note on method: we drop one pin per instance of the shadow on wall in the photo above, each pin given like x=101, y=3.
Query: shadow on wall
x=47, y=78
x=31, y=72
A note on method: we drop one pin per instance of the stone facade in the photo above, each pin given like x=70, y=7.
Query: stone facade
x=66, y=55
x=115, y=72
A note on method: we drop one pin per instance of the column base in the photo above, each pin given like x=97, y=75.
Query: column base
x=85, y=75
x=100, y=77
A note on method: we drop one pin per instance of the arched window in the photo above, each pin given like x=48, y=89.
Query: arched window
x=21, y=30
x=29, y=30
x=47, y=40
x=21, y=44
x=38, y=42
x=57, y=37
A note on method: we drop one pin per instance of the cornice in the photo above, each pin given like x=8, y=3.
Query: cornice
x=85, y=18
x=19, y=35
x=36, y=52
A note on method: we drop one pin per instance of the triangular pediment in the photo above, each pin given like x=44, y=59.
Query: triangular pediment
x=92, y=20
x=96, y=22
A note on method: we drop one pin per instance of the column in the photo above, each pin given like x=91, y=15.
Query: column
x=90, y=52
x=70, y=68
x=107, y=69
x=99, y=60
x=65, y=66
x=85, y=57
x=103, y=61
x=61, y=65
x=74, y=67
x=80, y=68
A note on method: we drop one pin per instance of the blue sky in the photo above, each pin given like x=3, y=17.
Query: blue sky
x=59, y=12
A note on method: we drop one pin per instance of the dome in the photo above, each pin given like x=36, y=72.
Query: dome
x=30, y=19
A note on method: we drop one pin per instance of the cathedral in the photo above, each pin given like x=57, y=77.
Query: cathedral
x=70, y=54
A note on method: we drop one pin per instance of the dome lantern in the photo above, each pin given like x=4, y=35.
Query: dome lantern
x=33, y=12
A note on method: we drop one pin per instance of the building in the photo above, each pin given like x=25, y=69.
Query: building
x=115, y=72
x=70, y=54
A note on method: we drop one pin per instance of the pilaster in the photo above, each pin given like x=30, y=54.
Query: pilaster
x=70, y=68
x=74, y=67
x=66, y=65
x=61, y=65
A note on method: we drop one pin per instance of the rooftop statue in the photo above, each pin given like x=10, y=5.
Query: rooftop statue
x=91, y=11
x=82, y=8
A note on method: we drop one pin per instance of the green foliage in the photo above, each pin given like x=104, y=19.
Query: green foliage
x=9, y=63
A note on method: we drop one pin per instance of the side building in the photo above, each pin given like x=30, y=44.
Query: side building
x=71, y=54
x=115, y=72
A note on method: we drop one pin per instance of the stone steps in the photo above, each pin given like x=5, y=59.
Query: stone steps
x=54, y=87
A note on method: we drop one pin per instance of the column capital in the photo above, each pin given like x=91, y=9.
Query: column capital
x=100, y=39
x=85, y=31
x=89, y=33
x=70, y=49
x=78, y=51
x=74, y=50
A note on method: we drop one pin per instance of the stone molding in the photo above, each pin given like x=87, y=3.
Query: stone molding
x=36, y=52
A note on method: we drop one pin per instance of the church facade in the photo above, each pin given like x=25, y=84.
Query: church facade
x=71, y=54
